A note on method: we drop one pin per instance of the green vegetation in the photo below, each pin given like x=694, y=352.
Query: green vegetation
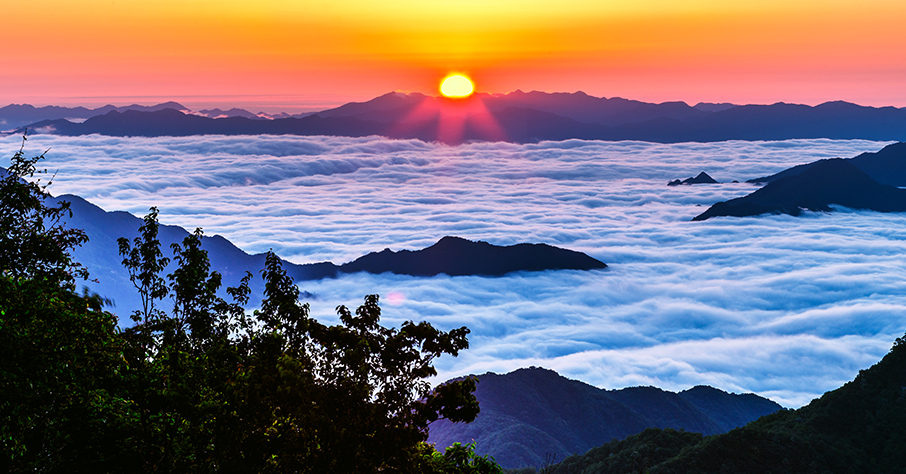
x=207, y=386
x=858, y=428
x=459, y=459
x=634, y=454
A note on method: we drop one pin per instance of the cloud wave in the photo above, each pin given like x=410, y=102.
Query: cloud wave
x=785, y=307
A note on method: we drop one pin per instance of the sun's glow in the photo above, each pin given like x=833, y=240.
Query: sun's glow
x=456, y=86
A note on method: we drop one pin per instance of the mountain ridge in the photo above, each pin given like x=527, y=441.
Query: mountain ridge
x=531, y=412
x=818, y=185
x=521, y=117
x=453, y=256
x=857, y=428
x=886, y=166
x=17, y=115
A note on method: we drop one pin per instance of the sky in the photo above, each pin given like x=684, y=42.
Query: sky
x=786, y=307
x=303, y=55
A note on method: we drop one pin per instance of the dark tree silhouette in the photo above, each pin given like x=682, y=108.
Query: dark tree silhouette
x=208, y=387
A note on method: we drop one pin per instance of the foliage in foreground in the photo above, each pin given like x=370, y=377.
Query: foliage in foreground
x=206, y=386
x=858, y=428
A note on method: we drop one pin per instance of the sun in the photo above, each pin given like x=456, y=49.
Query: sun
x=456, y=86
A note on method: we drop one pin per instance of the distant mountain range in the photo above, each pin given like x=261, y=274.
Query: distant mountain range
x=532, y=414
x=17, y=115
x=450, y=255
x=518, y=117
x=869, y=181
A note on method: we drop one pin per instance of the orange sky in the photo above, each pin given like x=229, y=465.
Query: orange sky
x=312, y=54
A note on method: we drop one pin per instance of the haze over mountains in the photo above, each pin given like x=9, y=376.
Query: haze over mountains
x=518, y=117
x=18, y=115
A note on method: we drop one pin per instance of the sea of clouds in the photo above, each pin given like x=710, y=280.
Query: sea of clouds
x=786, y=307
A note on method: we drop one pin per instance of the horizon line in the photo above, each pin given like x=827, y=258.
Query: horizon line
x=314, y=105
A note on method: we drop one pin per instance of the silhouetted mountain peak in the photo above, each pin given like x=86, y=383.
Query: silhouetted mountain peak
x=166, y=105
x=701, y=178
x=712, y=107
x=856, y=428
x=702, y=389
x=452, y=243
x=815, y=188
x=534, y=411
x=456, y=256
x=886, y=166
x=234, y=112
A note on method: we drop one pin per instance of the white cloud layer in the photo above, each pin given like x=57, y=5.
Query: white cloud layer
x=782, y=306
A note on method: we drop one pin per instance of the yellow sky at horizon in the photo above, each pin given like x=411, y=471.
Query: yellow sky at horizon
x=657, y=50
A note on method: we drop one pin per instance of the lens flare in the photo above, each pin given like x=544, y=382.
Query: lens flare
x=395, y=298
x=456, y=86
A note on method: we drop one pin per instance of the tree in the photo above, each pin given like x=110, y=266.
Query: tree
x=459, y=459
x=209, y=386
x=62, y=405
x=33, y=243
x=144, y=261
x=280, y=391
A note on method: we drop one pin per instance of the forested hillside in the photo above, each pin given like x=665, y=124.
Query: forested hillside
x=533, y=416
x=202, y=386
x=858, y=428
